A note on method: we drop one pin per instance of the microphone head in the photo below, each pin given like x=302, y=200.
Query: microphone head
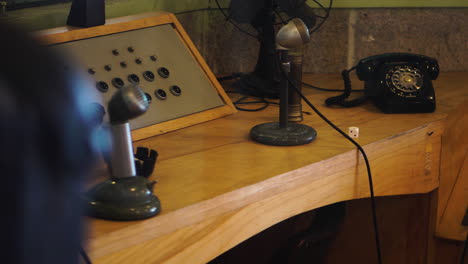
x=293, y=35
x=127, y=103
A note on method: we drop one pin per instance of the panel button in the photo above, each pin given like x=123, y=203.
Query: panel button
x=149, y=76
x=153, y=58
x=107, y=67
x=175, y=90
x=161, y=94
x=115, y=52
x=118, y=83
x=138, y=61
x=123, y=64
x=130, y=49
x=163, y=72
x=102, y=86
x=91, y=71
x=133, y=78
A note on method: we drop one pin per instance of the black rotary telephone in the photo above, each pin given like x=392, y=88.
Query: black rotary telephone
x=395, y=82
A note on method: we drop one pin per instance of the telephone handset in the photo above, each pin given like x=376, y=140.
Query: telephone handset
x=396, y=82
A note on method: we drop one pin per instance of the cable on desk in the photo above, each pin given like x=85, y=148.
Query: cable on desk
x=261, y=100
x=85, y=256
x=237, y=75
x=369, y=174
x=241, y=101
x=233, y=76
x=327, y=89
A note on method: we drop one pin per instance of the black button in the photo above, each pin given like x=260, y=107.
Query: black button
x=118, y=83
x=149, y=98
x=133, y=78
x=138, y=61
x=115, y=52
x=161, y=94
x=175, y=90
x=130, y=49
x=123, y=64
x=108, y=67
x=91, y=71
x=149, y=76
x=102, y=86
x=153, y=58
x=163, y=72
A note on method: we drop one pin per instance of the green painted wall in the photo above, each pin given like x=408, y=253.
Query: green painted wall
x=51, y=16
x=397, y=3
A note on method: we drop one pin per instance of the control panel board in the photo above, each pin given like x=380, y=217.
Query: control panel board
x=161, y=60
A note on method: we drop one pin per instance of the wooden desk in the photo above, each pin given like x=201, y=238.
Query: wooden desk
x=218, y=188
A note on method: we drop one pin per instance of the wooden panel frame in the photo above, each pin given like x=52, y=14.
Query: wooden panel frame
x=453, y=195
x=117, y=25
x=451, y=222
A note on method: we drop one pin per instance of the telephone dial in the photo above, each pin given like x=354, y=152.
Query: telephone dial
x=395, y=82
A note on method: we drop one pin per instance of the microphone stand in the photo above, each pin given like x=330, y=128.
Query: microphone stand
x=284, y=89
x=295, y=56
x=125, y=196
x=290, y=37
x=283, y=133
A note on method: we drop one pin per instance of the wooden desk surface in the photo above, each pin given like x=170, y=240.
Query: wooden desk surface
x=218, y=188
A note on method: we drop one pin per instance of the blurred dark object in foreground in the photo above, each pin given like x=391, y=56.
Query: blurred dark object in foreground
x=46, y=149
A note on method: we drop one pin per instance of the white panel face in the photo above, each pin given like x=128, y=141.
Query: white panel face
x=157, y=50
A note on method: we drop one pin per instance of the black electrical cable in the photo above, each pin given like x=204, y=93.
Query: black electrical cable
x=369, y=174
x=261, y=101
x=240, y=74
x=329, y=90
x=230, y=77
x=239, y=102
x=85, y=256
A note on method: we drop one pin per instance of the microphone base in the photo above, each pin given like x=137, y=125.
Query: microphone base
x=274, y=135
x=124, y=199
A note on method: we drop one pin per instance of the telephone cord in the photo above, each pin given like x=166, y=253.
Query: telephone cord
x=369, y=174
x=85, y=256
